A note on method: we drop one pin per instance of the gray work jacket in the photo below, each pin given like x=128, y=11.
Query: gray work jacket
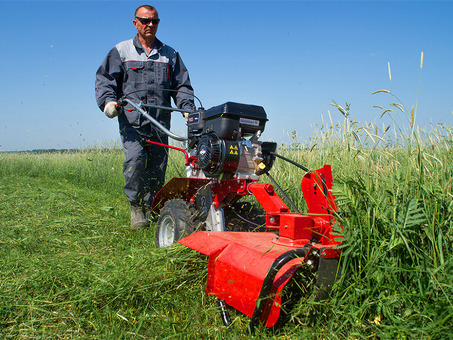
x=129, y=71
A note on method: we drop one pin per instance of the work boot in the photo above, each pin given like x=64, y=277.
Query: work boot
x=138, y=217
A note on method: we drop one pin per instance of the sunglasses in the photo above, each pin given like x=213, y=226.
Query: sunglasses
x=147, y=21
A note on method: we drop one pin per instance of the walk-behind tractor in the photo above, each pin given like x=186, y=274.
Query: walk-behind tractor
x=253, y=252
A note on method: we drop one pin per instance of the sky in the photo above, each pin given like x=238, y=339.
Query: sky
x=294, y=58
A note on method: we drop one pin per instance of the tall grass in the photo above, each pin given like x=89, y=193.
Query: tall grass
x=396, y=203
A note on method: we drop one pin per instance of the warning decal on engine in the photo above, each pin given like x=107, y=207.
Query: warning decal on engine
x=233, y=150
x=246, y=121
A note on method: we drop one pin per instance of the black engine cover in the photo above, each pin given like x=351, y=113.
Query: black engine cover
x=232, y=120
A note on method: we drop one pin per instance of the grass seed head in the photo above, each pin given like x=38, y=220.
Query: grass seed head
x=390, y=72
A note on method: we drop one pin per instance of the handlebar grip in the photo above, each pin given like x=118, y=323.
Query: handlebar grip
x=120, y=103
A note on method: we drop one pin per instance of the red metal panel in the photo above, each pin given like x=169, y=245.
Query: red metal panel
x=296, y=226
x=238, y=264
x=317, y=189
x=221, y=189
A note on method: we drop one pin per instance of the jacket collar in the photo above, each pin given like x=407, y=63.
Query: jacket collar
x=156, y=46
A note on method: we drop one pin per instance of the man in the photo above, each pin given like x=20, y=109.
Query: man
x=143, y=69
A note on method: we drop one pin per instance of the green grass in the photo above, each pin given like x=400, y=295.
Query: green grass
x=72, y=268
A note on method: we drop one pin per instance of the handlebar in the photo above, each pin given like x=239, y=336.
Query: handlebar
x=139, y=108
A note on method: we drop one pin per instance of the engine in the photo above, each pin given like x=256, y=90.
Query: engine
x=224, y=139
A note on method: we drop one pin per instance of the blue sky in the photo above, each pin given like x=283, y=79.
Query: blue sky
x=291, y=57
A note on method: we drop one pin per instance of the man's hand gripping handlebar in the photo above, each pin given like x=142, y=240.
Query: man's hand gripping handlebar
x=112, y=109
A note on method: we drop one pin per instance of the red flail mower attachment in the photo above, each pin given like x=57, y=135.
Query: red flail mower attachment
x=248, y=270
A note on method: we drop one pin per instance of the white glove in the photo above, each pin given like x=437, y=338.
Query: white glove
x=111, y=110
x=186, y=116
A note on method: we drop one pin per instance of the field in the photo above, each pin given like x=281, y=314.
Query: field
x=72, y=269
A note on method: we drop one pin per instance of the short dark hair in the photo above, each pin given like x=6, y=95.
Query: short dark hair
x=148, y=7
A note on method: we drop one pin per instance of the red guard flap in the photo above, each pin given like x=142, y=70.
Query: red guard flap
x=210, y=242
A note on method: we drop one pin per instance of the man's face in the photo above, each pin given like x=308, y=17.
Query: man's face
x=147, y=30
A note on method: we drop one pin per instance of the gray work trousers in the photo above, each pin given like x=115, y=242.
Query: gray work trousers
x=144, y=167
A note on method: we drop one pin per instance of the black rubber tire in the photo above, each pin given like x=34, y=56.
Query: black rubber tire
x=174, y=223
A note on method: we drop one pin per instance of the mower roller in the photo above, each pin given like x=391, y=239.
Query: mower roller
x=249, y=265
